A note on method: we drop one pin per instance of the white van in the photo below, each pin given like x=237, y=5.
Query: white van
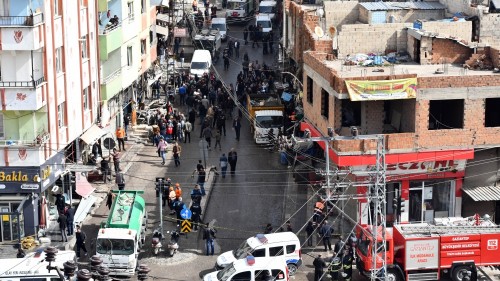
x=268, y=8
x=251, y=269
x=201, y=62
x=264, y=20
x=34, y=267
x=220, y=24
x=282, y=245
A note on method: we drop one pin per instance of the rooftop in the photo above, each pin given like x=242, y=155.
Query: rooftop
x=347, y=71
x=385, y=6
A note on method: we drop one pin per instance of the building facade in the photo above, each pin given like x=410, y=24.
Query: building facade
x=405, y=80
x=127, y=50
x=49, y=88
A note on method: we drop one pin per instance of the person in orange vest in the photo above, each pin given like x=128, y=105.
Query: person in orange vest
x=178, y=191
x=120, y=136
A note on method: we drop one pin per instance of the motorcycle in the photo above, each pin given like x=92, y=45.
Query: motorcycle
x=156, y=241
x=173, y=243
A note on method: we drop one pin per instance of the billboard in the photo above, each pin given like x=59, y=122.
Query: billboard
x=382, y=89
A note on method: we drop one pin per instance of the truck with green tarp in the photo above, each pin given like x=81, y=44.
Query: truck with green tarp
x=122, y=235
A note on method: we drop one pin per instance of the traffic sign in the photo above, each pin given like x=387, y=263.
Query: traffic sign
x=186, y=226
x=109, y=143
x=186, y=213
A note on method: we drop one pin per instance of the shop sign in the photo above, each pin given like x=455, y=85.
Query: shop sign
x=426, y=167
x=180, y=32
x=361, y=90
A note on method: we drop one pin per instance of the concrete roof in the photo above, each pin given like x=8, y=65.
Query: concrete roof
x=346, y=71
x=385, y=6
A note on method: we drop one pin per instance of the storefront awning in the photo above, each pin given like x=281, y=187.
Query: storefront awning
x=83, y=187
x=483, y=193
x=92, y=135
x=162, y=30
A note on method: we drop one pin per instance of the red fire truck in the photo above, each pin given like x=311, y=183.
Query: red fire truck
x=431, y=252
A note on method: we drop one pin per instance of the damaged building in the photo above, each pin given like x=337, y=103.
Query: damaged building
x=423, y=74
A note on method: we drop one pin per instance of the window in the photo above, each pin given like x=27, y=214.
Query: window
x=492, y=114
x=129, y=55
x=83, y=3
x=2, y=133
x=275, y=251
x=325, y=103
x=243, y=276
x=262, y=275
x=86, y=98
x=446, y=114
x=309, y=90
x=290, y=249
x=277, y=274
x=59, y=64
x=259, y=253
x=351, y=113
x=143, y=46
x=130, y=6
x=57, y=7
x=61, y=120
x=83, y=46
x=143, y=6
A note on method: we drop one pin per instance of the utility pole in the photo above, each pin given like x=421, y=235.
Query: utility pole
x=376, y=196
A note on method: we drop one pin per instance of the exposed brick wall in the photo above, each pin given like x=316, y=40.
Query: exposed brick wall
x=495, y=57
x=372, y=117
x=449, y=50
x=459, y=81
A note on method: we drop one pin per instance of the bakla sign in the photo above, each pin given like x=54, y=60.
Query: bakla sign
x=426, y=167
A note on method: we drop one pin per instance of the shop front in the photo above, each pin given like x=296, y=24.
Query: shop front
x=23, y=204
x=429, y=183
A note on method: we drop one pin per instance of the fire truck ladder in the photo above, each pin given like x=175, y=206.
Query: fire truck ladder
x=439, y=229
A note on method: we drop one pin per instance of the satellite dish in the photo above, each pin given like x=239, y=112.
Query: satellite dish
x=319, y=31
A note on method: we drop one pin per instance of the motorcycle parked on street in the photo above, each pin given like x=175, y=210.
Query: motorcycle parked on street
x=156, y=242
x=173, y=243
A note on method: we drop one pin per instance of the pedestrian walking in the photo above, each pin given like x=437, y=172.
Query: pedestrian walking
x=60, y=203
x=207, y=134
x=109, y=199
x=105, y=169
x=217, y=140
x=245, y=34
x=237, y=48
x=187, y=131
x=80, y=241
x=195, y=213
x=209, y=237
x=156, y=88
x=120, y=181
x=63, y=223
x=318, y=264
x=120, y=136
x=237, y=127
x=289, y=226
x=226, y=62
x=309, y=233
x=181, y=56
x=223, y=164
x=325, y=232
x=171, y=199
x=232, y=159
x=162, y=149
x=176, y=150
x=268, y=229
x=230, y=45
x=116, y=160
x=201, y=178
x=271, y=39
x=70, y=217
x=221, y=123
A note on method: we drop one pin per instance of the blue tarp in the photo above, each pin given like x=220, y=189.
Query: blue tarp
x=286, y=96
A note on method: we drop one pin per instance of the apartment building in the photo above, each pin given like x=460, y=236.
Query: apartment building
x=420, y=73
x=49, y=90
x=127, y=48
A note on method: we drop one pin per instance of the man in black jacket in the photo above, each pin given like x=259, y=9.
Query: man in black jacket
x=80, y=241
x=62, y=220
x=70, y=216
x=319, y=264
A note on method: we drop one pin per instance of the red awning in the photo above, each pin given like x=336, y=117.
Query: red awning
x=83, y=187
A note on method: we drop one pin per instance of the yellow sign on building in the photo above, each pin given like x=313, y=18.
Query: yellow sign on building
x=382, y=89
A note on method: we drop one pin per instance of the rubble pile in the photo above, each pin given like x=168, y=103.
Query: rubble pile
x=478, y=62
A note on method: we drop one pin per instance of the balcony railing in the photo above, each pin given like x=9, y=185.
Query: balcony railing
x=31, y=20
x=22, y=84
x=112, y=76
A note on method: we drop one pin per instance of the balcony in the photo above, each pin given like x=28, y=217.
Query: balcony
x=22, y=84
x=111, y=85
x=32, y=20
x=30, y=99
x=110, y=39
